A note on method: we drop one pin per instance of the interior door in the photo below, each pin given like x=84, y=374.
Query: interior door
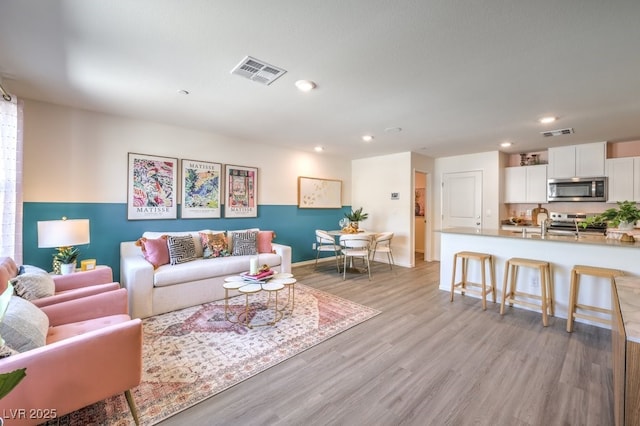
x=462, y=200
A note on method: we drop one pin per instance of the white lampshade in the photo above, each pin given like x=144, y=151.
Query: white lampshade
x=63, y=233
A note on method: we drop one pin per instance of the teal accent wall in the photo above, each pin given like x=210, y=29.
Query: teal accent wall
x=293, y=226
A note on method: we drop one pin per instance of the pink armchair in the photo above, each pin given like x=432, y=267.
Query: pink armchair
x=93, y=351
x=68, y=287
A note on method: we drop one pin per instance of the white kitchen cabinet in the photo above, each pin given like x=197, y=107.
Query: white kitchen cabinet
x=525, y=184
x=586, y=160
x=620, y=179
x=636, y=179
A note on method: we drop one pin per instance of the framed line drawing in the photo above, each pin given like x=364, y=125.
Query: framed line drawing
x=151, y=187
x=200, y=189
x=241, y=199
x=315, y=193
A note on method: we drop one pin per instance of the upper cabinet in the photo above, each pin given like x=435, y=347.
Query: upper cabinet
x=525, y=184
x=623, y=178
x=586, y=160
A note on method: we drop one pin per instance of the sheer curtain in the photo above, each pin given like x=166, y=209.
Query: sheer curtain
x=11, y=179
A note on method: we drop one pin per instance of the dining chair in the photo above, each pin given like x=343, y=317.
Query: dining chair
x=355, y=246
x=382, y=244
x=326, y=242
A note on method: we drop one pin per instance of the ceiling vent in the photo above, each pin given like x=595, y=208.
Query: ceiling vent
x=558, y=132
x=257, y=70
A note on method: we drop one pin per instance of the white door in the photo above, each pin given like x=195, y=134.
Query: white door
x=462, y=200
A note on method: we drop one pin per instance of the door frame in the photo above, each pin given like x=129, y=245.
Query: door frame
x=428, y=214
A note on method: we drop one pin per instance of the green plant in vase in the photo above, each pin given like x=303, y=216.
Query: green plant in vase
x=356, y=216
x=624, y=217
x=65, y=256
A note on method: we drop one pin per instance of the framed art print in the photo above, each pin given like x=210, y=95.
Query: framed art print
x=314, y=193
x=200, y=189
x=151, y=192
x=241, y=199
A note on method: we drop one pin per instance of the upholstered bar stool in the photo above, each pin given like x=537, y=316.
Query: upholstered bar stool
x=594, y=271
x=521, y=298
x=465, y=286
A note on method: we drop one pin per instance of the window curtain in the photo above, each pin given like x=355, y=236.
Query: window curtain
x=11, y=179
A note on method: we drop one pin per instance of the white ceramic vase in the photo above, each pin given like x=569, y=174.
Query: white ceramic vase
x=67, y=268
x=625, y=226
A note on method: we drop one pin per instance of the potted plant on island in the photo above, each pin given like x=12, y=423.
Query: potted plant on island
x=624, y=217
x=66, y=259
x=356, y=216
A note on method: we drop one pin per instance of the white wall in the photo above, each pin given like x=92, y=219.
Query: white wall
x=373, y=181
x=491, y=165
x=73, y=155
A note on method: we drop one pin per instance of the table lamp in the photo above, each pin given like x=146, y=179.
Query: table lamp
x=63, y=235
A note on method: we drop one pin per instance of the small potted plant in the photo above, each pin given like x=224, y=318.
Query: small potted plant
x=624, y=217
x=66, y=257
x=356, y=216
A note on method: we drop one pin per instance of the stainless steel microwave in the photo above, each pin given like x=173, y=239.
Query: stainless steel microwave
x=577, y=189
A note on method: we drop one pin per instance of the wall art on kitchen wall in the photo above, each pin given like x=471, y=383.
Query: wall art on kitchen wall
x=314, y=193
x=241, y=199
x=200, y=189
x=151, y=187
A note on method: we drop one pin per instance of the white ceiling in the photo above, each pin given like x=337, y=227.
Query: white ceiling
x=456, y=76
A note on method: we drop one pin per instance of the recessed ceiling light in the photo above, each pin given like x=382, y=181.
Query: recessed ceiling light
x=318, y=149
x=547, y=120
x=505, y=144
x=305, y=85
x=367, y=138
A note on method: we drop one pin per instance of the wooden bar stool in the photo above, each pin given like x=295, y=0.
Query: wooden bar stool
x=517, y=297
x=485, y=260
x=576, y=272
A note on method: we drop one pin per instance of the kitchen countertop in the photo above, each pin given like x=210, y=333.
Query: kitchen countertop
x=535, y=236
x=629, y=297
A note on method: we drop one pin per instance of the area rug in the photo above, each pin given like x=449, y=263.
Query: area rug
x=195, y=353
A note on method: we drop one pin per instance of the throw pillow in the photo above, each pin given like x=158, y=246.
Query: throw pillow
x=264, y=241
x=25, y=269
x=24, y=326
x=230, y=236
x=155, y=250
x=6, y=351
x=214, y=245
x=33, y=285
x=244, y=243
x=181, y=249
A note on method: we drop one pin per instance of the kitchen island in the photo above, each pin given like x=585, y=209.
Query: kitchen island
x=562, y=251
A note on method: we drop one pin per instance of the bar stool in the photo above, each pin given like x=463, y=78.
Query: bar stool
x=546, y=287
x=576, y=272
x=485, y=260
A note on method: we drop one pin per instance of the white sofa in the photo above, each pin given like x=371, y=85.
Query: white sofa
x=170, y=287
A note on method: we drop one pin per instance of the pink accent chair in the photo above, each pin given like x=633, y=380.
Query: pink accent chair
x=93, y=351
x=68, y=287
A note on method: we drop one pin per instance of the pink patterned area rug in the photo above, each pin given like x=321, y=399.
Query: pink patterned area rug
x=193, y=354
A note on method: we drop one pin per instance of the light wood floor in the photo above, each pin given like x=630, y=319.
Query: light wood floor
x=426, y=361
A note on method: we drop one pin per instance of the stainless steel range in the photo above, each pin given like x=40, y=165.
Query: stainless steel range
x=570, y=224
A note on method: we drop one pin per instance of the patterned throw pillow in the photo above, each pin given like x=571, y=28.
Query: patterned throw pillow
x=244, y=243
x=214, y=245
x=24, y=326
x=33, y=285
x=181, y=249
